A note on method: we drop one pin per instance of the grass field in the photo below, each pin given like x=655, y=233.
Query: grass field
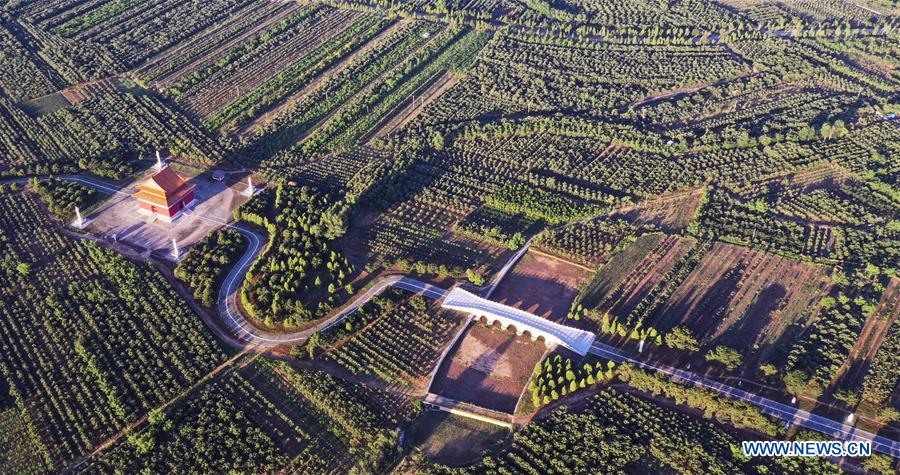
x=449, y=439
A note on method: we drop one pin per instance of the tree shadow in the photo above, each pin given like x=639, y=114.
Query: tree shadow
x=703, y=317
x=475, y=384
x=744, y=333
x=549, y=297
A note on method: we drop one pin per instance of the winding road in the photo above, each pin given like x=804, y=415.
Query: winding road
x=234, y=320
x=229, y=308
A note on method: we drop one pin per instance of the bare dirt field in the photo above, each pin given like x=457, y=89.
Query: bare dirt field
x=446, y=438
x=488, y=367
x=119, y=216
x=742, y=297
x=542, y=285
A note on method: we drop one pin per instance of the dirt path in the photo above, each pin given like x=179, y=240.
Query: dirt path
x=564, y=260
x=250, y=129
x=409, y=109
x=167, y=80
x=228, y=364
x=689, y=89
x=361, y=92
x=870, y=10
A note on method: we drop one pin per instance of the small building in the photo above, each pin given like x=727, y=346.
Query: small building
x=165, y=194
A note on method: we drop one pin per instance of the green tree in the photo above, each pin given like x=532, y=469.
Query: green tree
x=23, y=268
x=796, y=381
x=729, y=357
x=681, y=338
x=437, y=141
x=879, y=463
x=313, y=342
x=475, y=277
x=516, y=241
x=768, y=370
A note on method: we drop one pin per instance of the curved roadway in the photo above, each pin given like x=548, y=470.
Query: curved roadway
x=234, y=320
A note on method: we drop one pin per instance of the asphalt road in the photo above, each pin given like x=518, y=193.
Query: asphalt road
x=506, y=267
x=96, y=184
x=234, y=320
x=229, y=294
x=785, y=412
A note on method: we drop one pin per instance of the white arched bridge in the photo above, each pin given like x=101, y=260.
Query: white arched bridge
x=579, y=341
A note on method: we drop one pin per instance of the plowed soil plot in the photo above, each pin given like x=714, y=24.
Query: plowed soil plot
x=740, y=297
x=488, y=368
x=542, y=285
x=632, y=273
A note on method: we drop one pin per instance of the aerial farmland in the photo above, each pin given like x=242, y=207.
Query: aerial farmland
x=449, y=237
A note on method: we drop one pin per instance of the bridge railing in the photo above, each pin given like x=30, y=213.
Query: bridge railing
x=574, y=339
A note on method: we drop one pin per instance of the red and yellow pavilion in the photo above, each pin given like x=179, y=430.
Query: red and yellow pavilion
x=165, y=194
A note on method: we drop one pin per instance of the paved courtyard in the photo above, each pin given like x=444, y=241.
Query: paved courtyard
x=118, y=218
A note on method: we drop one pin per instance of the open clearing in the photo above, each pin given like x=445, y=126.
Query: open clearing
x=668, y=214
x=214, y=204
x=489, y=367
x=741, y=297
x=542, y=285
x=447, y=438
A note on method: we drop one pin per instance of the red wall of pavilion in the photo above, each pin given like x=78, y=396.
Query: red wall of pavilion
x=172, y=210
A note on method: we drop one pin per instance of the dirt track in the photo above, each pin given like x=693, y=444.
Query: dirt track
x=413, y=107
x=250, y=128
